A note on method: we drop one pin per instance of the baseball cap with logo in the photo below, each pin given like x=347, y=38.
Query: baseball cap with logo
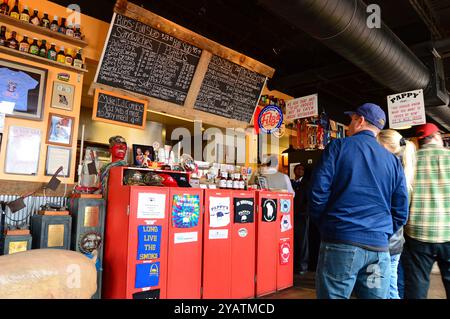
x=372, y=113
x=425, y=130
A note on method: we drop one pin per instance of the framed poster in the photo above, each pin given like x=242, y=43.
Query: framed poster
x=62, y=97
x=143, y=155
x=60, y=129
x=22, y=89
x=22, y=151
x=57, y=157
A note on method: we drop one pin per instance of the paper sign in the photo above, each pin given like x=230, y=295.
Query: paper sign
x=286, y=223
x=406, y=109
x=149, y=242
x=185, y=210
x=218, y=234
x=181, y=238
x=285, y=251
x=151, y=205
x=219, y=211
x=147, y=275
x=302, y=107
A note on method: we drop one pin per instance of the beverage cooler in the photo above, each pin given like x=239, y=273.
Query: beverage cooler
x=274, y=242
x=229, y=244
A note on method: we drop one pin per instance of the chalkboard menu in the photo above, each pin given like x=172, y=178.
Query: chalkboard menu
x=118, y=109
x=141, y=59
x=229, y=90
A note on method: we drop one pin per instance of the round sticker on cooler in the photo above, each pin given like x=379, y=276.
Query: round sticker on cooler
x=243, y=232
x=270, y=118
x=285, y=205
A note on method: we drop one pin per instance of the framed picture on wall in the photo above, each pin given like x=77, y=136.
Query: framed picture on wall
x=56, y=157
x=22, y=90
x=60, y=129
x=62, y=97
x=143, y=155
x=22, y=151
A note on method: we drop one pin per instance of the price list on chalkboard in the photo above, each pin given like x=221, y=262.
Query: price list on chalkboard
x=229, y=90
x=141, y=59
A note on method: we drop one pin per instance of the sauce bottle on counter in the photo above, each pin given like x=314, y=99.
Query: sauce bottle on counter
x=77, y=32
x=229, y=181
x=69, y=57
x=223, y=181
x=62, y=27
x=78, y=60
x=24, y=45
x=15, y=11
x=43, y=49
x=34, y=47
x=54, y=25
x=45, y=22
x=61, y=56
x=236, y=181
x=69, y=30
x=12, y=42
x=51, y=54
x=35, y=18
x=25, y=15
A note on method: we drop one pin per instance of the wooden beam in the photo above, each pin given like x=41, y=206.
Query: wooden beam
x=138, y=13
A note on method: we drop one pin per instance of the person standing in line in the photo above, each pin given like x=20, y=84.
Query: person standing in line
x=301, y=218
x=427, y=233
x=358, y=200
x=394, y=142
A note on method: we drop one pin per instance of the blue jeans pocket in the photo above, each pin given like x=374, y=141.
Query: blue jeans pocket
x=338, y=260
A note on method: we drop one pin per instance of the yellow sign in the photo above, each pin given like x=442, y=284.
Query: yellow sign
x=17, y=247
x=55, y=236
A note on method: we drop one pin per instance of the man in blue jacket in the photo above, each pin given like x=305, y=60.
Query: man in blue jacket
x=358, y=200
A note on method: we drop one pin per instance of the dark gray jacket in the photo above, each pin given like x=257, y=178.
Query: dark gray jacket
x=396, y=242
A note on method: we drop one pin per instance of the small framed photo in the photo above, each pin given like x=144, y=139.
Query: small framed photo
x=143, y=155
x=62, y=97
x=60, y=129
x=22, y=91
x=22, y=151
x=56, y=157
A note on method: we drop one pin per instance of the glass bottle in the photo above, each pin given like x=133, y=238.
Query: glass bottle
x=54, y=25
x=51, y=53
x=223, y=181
x=62, y=27
x=61, y=56
x=15, y=11
x=241, y=183
x=43, y=49
x=12, y=42
x=236, y=181
x=69, y=57
x=25, y=15
x=4, y=7
x=35, y=18
x=34, y=47
x=77, y=32
x=45, y=21
x=229, y=182
x=3, y=41
x=24, y=45
x=78, y=60
x=69, y=30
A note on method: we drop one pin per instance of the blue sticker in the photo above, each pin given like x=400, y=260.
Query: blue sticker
x=285, y=205
x=149, y=242
x=147, y=275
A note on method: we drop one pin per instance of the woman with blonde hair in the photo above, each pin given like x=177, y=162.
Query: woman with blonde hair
x=394, y=142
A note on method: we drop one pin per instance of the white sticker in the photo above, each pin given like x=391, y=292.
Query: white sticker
x=243, y=232
x=151, y=205
x=218, y=234
x=180, y=238
x=286, y=222
x=219, y=211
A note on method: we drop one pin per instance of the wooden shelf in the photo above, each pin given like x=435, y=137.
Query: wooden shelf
x=41, y=30
x=39, y=59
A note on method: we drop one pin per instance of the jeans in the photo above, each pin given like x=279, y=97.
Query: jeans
x=301, y=249
x=343, y=268
x=401, y=278
x=418, y=259
x=393, y=288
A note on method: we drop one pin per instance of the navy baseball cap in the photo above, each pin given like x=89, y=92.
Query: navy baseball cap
x=372, y=113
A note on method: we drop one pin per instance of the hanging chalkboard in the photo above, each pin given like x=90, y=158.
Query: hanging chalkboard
x=229, y=90
x=118, y=109
x=141, y=59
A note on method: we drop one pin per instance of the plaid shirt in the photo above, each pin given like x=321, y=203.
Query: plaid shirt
x=429, y=219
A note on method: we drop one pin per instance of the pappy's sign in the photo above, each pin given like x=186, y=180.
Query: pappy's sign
x=406, y=109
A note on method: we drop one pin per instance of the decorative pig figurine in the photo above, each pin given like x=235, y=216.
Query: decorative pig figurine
x=47, y=273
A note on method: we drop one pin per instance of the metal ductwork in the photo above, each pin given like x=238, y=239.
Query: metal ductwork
x=342, y=26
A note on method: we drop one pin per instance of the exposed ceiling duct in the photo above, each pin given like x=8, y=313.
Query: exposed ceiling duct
x=342, y=25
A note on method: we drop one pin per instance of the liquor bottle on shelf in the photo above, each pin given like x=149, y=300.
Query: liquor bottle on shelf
x=24, y=45
x=78, y=60
x=15, y=11
x=229, y=181
x=45, y=21
x=61, y=56
x=3, y=41
x=12, y=41
x=54, y=25
x=25, y=15
x=43, y=49
x=236, y=181
x=223, y=181
x=70, y=31
x=62, y=27
x=69, y=57
x=34, y=47
x=4, y=7
x=77, y=32
x=241, y=183
x=35, y=18
x=51, y=53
